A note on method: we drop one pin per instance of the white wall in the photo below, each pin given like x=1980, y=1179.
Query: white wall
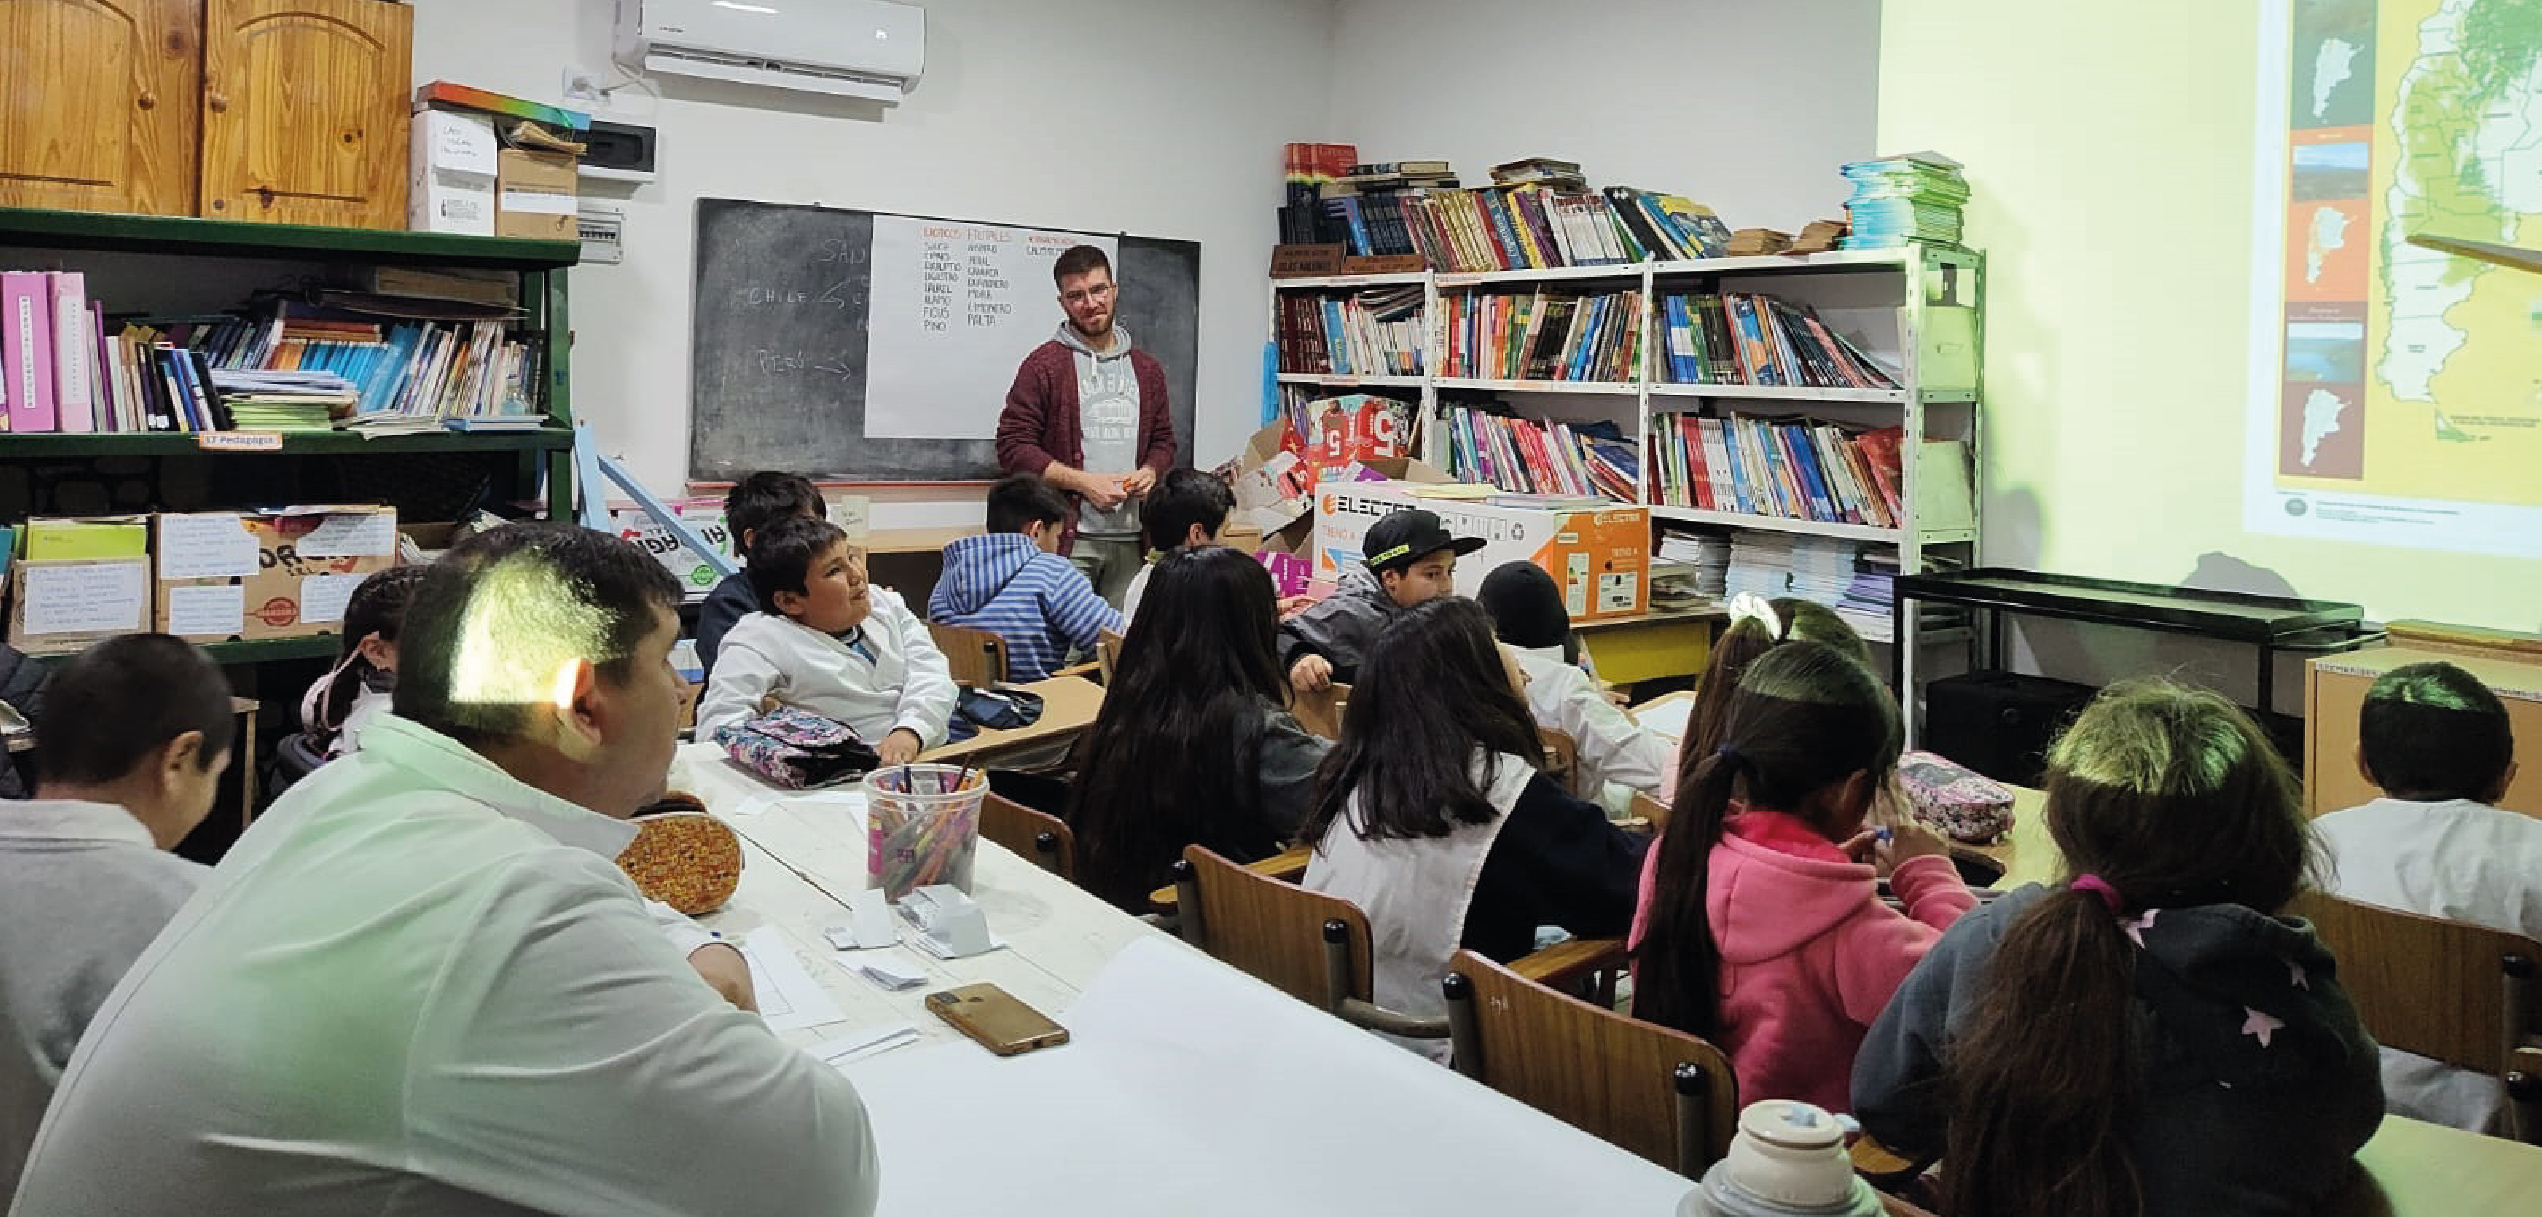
x=1157, y=117
x=1745, y=106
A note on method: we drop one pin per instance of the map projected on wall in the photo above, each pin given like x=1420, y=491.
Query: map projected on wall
x=2397, y=390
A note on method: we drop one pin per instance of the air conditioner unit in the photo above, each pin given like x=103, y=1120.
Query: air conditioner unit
x=851, y=48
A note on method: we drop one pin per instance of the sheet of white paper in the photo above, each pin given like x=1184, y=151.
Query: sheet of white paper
x=869, y=1041
x=1668, y=718
x=219, y=608
x=323, y=597
x=87, y=597
x=954, y=308
x=1110, y=1122
x=359, y=534
x=205, y=547
x=788, y=996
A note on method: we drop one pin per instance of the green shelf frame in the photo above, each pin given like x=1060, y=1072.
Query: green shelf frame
x=47, y=229
x=162, y=443
x=324, y=646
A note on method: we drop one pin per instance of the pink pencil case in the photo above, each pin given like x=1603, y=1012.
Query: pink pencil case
x=1954, y=800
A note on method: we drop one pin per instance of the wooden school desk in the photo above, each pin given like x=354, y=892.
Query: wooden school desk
x=1189, y=1088
x=910, y=560
x=1069, y=706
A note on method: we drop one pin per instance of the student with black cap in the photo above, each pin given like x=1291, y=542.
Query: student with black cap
x=1618, y=755
x=1410, y=559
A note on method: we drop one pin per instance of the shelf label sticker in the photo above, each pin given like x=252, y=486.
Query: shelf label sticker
x=238, y=441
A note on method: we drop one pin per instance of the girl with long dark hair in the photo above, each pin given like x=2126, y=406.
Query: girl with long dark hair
x=345, y=700
x=1193, y=745
x=2149, y=1037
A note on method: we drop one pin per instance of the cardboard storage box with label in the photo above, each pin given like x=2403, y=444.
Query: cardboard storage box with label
x=536, y=196
x=60, y=606
x=253, y=575
x=451, y=171
x=1599, y=556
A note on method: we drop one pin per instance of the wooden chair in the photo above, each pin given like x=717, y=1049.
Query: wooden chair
x=976, y=656
x=2463, y=994
x=1037, y=835
x=1660, y=1093
x=1651, y=813
x=2524, y=1094
x=1309, y=945
x=1562, y=759
x=1107, y=653
x=1321, y=712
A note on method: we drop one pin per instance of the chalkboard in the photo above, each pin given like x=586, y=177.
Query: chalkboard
x=779, y=353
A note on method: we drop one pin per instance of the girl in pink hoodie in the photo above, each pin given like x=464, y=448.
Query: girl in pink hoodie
x=1760, y=925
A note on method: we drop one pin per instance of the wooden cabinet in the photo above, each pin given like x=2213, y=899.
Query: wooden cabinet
x=283, y=111
x=99, y=101
x=305, y=111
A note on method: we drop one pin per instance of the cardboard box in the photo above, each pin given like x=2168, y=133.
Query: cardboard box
x=1600, y=557
x=705, y=516
x=535, y=196
x=63, y=539
x=451, y=170
x=229, y=575
x=61, y=606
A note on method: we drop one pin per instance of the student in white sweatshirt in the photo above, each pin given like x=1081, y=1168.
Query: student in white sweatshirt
x=1618, y=757
x=830, y=642
x=2437, y=743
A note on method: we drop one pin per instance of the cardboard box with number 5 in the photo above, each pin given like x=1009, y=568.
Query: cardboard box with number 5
x=286, y=573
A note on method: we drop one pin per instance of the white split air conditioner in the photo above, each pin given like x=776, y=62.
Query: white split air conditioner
x=852, y=48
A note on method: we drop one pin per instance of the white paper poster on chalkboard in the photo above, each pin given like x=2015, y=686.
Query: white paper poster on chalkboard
x=956, y=307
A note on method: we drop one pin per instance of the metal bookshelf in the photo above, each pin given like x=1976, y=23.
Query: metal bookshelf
x=1914, y=280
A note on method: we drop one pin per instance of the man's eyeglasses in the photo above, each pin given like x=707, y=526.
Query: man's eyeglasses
x=1084, y=294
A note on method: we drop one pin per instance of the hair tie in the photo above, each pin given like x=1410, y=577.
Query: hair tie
x=1748, y=606
x=2100, y=887
x=1730, y=754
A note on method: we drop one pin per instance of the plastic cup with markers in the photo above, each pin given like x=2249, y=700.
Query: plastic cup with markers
x=922, y=826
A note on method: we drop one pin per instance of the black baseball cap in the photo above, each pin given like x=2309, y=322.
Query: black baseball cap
x=1405, y=537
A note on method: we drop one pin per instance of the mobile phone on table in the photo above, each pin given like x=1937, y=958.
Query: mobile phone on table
x=997, y=1020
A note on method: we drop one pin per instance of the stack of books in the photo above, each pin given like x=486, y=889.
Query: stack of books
x=1782, y=564
x=1539, y=213
x=284, y=401
x=1377, y=332
x=1870, y=601
x=1525, y=456
x=1796, y=471
x=1542, y=335
x=1898, y=199
x=1703, y=557
x=1760, y=340
x=1552, y=173
x=1308, y=168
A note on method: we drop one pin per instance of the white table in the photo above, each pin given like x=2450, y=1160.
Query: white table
x=1190, y=1087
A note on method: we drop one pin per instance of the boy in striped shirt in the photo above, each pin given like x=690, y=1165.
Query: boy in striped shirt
x=1012, y=582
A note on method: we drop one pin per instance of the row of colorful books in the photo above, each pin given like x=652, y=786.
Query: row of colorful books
x=69, y=367
x=1526, y=456
x=1796, y=471
x=1760, y=340
x=1542, y=335
x=1526, y=227
x=1376, y=332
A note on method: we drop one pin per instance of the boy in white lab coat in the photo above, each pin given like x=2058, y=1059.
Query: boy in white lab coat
x=1618, y=757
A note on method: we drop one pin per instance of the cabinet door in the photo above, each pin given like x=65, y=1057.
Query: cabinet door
x=97, y=104
x=304, y=111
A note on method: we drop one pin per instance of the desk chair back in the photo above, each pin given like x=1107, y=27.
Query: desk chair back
x=1309, y=945
x=1562, y=760
x=1107, y=653
x=1659, y=1092
x=2464, y=994
x=2524, y=1094
x=976, y=656
x=1321, y=712
x=1027, y=833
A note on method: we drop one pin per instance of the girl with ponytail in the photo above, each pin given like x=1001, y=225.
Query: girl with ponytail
x=2149, y=1038
x=1761, y=926
x=344, y=701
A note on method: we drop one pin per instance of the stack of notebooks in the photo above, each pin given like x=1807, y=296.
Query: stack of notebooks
x=1739, y=339
x=1529, y=457
x=1797, y=470
x=1898, y=199
x=1542, y=335
x=1376, y=332
x=362, y=360
x=1539, y=213
x=1871, y=597
x=1702, y=557
x=1773, y=564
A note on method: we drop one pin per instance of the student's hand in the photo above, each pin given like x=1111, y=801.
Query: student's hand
x=1311, y=674
x=723, y=968
x=1139, y=482
x=1909, y=840
x=1291, y=606
x=1618, y=698
x=901, y=746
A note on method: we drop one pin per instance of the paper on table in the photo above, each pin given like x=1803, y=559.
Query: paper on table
x=1104, y=1125
x=205, y=547
x=218, y=608
x=869, y=1041
x=86, y=597
x=355, y=534
x=788, y=996
x=1666, y=718
x=323, y=597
